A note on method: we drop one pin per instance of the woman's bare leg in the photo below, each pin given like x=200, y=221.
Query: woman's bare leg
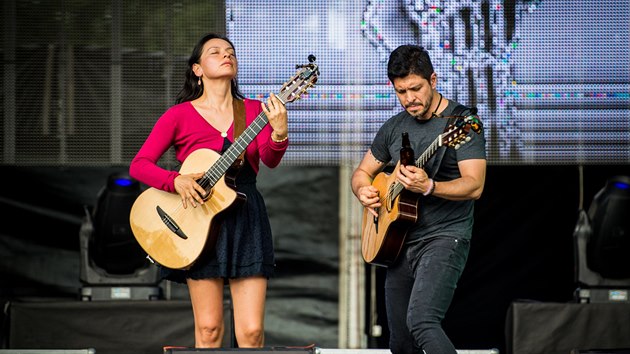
x=248, y=301
x=206, y=296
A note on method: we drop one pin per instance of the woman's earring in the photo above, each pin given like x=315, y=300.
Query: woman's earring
x=199, y=81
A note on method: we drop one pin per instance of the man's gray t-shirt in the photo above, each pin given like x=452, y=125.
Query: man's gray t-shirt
x=436, y=216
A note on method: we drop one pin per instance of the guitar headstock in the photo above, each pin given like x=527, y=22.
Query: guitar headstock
x=456, y=134
x=305, y=77
x=475, y=123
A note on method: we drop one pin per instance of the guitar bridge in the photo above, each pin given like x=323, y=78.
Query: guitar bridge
x=170, y=223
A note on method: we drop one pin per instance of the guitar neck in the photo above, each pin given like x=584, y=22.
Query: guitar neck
x=220, y=167
x=290, y=91
x=429, y=152
x=420, y=162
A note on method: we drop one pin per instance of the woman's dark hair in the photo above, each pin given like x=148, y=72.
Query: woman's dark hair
x=191, y=90
x=409, y=59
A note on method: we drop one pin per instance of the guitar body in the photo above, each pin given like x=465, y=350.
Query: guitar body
x=199, y=225
x=382, y=241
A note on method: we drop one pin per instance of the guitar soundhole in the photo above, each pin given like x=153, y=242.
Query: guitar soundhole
x=207, y=185
x=207, y=195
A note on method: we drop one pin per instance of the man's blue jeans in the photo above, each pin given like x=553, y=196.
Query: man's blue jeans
x=419, y=288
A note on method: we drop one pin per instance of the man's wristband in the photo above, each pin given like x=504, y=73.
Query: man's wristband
x=431, y=188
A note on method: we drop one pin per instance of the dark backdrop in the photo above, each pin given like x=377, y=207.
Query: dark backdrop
x=522, y=248
x=522, y=245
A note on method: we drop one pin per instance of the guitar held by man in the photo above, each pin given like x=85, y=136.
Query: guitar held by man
x=382, y=236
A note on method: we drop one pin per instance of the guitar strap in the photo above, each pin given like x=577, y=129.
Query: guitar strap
x=238, y=107
x=437, y=159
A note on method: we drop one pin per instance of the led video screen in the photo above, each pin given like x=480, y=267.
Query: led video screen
x=550, y=79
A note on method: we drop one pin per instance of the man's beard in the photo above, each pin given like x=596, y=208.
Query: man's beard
x=418, y=114
x=421, y=114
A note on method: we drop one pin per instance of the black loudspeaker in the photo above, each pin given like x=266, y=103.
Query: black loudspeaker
x=602, y=351
x=271, y=350
x=48, y=351
x=109, y=327
x=563, y=328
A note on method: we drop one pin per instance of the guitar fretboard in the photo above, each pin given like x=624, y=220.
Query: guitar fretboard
x=289, y=92
x=218, y=169
x=420, y=162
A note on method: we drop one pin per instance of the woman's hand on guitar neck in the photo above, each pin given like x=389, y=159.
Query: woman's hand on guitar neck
x=277, y=115
x=189, y=190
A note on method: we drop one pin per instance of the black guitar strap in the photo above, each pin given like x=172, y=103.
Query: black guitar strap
x=437, y=159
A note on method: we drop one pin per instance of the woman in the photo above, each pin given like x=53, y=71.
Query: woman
x=243, y=257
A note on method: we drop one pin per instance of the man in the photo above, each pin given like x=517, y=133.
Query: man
x=420, y=284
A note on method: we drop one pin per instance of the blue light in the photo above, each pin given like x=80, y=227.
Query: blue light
x=622, y=185
x=123, y=182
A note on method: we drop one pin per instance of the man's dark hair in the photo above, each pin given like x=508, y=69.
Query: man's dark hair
x=409, y=59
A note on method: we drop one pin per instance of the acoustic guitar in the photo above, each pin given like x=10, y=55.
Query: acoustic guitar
x=383, y=236
x=175, y=237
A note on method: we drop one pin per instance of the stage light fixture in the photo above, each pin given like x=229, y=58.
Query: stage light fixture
x=602, y=241
x=112, y=245
x=113, y=265
x=608, y=248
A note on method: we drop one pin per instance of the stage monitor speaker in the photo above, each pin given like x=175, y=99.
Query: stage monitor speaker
x=560, y=328
x=110, y=327
x=266, y=350
x=302, y=350
x=48, y=351
x=601, y=351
